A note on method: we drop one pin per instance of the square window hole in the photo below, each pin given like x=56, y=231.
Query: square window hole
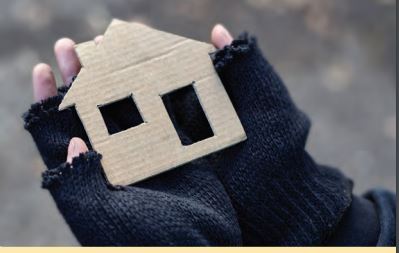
x=187, y=115
x=121, y=115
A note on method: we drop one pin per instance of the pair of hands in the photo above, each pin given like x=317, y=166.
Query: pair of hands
x=264, y=191
x=44, y=85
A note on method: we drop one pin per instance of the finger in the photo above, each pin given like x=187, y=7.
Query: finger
x=98, y=39
x=76, y=147
x=43, y=82
x=67, y=59
x=220, y=36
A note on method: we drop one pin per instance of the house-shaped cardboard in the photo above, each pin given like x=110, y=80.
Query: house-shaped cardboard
x=145, y=64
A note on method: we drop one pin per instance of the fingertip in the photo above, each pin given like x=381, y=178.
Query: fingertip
x=63, y=44
x=76, y=147
x=220, y=36
x=43, y=80
x=98, y=39
x=68, y=62
x=41, y=68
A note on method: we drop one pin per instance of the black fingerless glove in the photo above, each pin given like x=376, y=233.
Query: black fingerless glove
x=185, y=206
x=263, y=191
x=281, y=196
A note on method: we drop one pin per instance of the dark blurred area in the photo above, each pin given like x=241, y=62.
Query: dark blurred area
x=336, y=57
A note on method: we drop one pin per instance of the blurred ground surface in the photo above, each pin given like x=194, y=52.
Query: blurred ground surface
x=337, y=58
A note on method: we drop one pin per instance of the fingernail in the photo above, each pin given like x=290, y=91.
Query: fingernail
x=76, y=147
x=225, y=33
x=71, y=151
x=221, y=36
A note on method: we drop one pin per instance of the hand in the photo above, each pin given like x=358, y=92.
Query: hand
x=281, y=196
x=264, y=191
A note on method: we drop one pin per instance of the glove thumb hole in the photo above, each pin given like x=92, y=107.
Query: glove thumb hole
x=82, y=173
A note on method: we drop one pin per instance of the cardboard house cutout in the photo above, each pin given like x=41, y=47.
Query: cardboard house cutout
x=145, y=64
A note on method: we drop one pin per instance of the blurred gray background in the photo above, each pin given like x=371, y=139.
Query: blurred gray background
x=336, y=57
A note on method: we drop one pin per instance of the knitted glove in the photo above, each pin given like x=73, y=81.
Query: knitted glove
x=281, y=196
x=185, y=206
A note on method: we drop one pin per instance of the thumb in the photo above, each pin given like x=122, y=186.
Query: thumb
x=220, y=36
x=81, y=173
x=76, y=147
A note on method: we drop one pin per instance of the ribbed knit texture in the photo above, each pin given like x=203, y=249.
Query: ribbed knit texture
x=282, y=197
x=264, y=191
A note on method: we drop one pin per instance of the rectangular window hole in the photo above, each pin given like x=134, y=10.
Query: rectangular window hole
x=187, y=115
x=121, y=115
